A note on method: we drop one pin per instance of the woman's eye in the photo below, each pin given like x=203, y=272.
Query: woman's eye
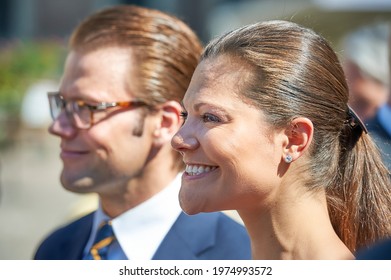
x=183, y=115
x=210, y=118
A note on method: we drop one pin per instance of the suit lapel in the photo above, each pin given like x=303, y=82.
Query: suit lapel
x=188, y=237
x=74, y=245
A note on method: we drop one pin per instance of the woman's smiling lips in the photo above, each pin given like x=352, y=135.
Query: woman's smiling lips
x=198, y=169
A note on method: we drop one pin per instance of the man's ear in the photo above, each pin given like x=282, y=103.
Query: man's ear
x=299, y=136
x=169, y=122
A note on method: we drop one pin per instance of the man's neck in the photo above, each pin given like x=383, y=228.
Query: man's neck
x=128, y=195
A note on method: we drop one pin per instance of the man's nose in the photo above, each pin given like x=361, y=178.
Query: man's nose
x=63, y=126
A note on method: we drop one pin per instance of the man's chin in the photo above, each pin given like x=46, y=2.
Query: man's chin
x=81, y=185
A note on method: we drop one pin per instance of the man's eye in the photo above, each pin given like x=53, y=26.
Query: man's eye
x=210, y=118
x=80, y=104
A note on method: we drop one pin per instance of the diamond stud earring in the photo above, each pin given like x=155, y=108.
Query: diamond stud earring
x=288, y=158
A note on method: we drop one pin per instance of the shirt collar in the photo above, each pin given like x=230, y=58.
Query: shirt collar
x=141, y=229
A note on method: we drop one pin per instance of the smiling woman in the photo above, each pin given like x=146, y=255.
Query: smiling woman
x=265, y=136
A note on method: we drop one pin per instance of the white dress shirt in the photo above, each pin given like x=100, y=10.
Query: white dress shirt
x=140, y=230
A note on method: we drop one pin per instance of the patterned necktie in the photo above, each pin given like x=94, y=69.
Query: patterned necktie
x=104, y=237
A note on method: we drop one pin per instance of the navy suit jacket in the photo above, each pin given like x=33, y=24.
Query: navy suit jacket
x=378, y=251
x=212, y=236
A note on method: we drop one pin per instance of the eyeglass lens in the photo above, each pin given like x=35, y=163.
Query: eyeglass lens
x=77, y=112
x=81, y=113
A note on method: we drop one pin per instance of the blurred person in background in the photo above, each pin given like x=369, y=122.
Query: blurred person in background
x=381, y=129
x=116, y=111
x=364, y=59
x=379, y=125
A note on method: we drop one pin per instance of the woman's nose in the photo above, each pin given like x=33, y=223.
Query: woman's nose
x=183, y=140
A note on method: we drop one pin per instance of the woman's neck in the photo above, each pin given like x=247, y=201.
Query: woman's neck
x=297, y=227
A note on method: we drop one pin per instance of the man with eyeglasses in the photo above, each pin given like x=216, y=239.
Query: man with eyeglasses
x=115, y=112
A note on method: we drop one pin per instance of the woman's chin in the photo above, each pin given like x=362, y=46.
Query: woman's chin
x=189, y=209
x=190, y=205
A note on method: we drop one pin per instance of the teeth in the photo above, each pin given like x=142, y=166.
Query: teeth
x=198, y=169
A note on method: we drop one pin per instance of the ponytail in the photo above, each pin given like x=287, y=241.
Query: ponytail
x=360, y=196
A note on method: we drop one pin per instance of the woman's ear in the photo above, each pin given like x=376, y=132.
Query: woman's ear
x=168, y=123
x=299, y=134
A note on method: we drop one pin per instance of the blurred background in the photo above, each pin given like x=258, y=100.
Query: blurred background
x=33, y=45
